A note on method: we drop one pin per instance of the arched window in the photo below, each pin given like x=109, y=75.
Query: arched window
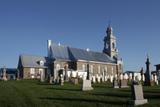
x=32, y=71
x=83, y=67
x=99, y=69
x=57, y=66
x=112, y=70
x=91, y=69
x=120, y=66
x=113, y=45
x=106, y=70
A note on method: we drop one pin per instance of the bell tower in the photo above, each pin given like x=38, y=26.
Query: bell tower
x=110, y=47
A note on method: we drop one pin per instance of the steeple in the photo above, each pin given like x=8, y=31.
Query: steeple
x=110, y=43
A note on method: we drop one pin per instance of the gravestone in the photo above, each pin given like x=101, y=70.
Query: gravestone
x=86, y=86
x=74, y=80
x=4, y=74
x=106, y=78
x=156, y=80
x=115, y=83
x=50, y=79
x=123, y=84
x=93, y=79
x=61, y=80
x=121, y=76
x=130, y=76
x=125, y=76
x=42, y=75
x=148, y=81
x=137, y=95
x=111, y=78
x=98, y=79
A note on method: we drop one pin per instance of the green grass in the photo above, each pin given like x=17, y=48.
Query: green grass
x=32, y=93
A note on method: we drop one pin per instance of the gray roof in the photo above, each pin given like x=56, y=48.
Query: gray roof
x=9, y=70
x=60, y=52
x=33, y=61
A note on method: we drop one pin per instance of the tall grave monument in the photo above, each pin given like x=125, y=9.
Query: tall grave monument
x=148, y=73
x=4, y=74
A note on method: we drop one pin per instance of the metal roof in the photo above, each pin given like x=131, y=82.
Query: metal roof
x=9, y=70
x=60, y=52
x=33, y=61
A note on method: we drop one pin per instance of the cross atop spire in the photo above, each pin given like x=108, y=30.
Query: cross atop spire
x=109, y=23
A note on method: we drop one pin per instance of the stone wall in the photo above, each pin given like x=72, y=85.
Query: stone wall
x=98, y=68
x=28, y=75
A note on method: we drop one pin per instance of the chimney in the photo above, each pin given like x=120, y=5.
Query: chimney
x=49, y=43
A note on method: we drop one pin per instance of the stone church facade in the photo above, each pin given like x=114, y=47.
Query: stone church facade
x=65, y=58
x=61, y=59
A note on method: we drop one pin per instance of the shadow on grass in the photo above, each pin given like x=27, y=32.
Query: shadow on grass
x=66, y=89
x=114, y=102
x=152, y=96
x=152, y=91
x=44, y=83
x=113, y=94
x=102, y=85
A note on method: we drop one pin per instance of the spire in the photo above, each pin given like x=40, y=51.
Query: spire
x=110, y=47
x=109, y=30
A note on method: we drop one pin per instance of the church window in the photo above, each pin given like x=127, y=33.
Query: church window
x=83, y=67
x=99, y=69
x=113, y=45
x=91, y=69
x=120, y=66
x=32, y=70
x=105, y=69
x=112, y=70
x=57, y=66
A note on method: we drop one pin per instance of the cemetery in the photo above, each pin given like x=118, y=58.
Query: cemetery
x=69, y=77
x=74, y=88
x=32, y=93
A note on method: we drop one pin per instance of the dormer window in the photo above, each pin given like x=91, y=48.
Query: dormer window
x=41, y=63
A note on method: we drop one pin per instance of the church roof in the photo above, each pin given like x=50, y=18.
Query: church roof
x=32, y=61
x=60, y=52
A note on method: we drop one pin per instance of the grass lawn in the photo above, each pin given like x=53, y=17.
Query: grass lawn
x=32, y=93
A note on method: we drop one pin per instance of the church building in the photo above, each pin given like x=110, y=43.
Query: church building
x=61, y=59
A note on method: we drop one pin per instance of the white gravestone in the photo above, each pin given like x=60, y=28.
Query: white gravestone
x=42, y=76
x=130, y=76
x=111, y=78
x=86, y=86
x=4, y=74
x=93, y=79
x=121, y=77
x=105, y=78
x=125, y=76
x=98, y=79
x=156, y=80
x=61, y=80
x=152, y=77
x=143, y=77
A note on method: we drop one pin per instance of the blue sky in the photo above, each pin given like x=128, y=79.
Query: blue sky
x=25, y=26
